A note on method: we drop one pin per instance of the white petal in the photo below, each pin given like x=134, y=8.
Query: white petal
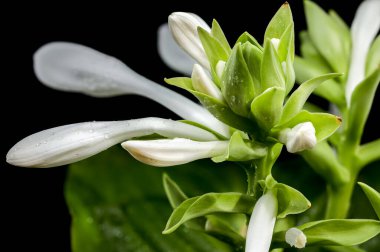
x=364, y=28
x=183, y=27
x=301, y=137
x=170, y=53
x=171, y=152
x=295, y=238
x=261, y=224
x=220, y=68
x=203, y=83
x=73, y=67
x=70, y=143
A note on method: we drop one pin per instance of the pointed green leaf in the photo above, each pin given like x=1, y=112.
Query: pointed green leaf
x=241, y=150
x=230, y=227
x=181, y=82
x=208, y=204
x=327, y=37
x=373, y=57
x=272, y=74
x=298, y=98
x=361, y=103
x=237, y=85
x=344, y=32
x=286, y=45
x=246, y=37
x=373, y=196
x=253, y=57
x=290, y=75
x=218, y=34
x=279, y=22
x=290, y=201
x=310, y=53
x=368, y=153
x=325, y=124
x=267, y=107
x=174, y=193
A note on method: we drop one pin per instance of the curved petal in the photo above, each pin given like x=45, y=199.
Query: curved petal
x=261, y=224
x=169, y=152
x=171, y=54
x=73, y=67
x=364, y=28
x=70, y=143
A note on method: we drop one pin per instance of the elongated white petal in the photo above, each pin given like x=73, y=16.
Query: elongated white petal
x=170, y=53
x=364, y=28
x=301, y=137
x=295, y=238
x=70, y=143
x=261, y=224
x=220, y=68
x=184, y=27
x=76, y=68
x=203, y=83
x=169, y=152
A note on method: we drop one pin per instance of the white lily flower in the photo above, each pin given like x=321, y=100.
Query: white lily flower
x=364, y=28
x=261, y=224
x=70, y=143
x=169, y=152
x=73, y=67
x=299, y=138
x=203, y=83
x=184, y=27
x=295, y=238
x=171, y=54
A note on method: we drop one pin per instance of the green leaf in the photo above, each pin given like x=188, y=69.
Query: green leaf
x=373, y=57
x=286, y=45
x=310, y=53
x=253, y=57
x=272, y=74
x=290, y=75
x=231, y=227
x=267, y=107
x=290, y=201
x=119, y=204
x=368, y=153
x=174, y=193
x=237, y=85
x=297, y=100
x=241, y=150
x=361, y=103
x=373, y=196
x=218, y=34
x=246, y=37
x=279, y=22
x=206, y=204
x=325, y=124
x=327, y=37
x=330, y=90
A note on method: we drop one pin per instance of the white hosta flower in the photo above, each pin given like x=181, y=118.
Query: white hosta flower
x=169, y=152
x=171, y=54
x=203, y=83
x=364, y=28
x=301, y=137
x=76, y=68
x=184, y=27
x=70, y=143
x=220, y=68
x=261, y=224
x=295, y=238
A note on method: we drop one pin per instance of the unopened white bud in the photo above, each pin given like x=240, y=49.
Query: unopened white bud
x=299, y=138
x=184, y=28
x=275, y=42
x=220, y=68
x=203, y=83
x=295, y=238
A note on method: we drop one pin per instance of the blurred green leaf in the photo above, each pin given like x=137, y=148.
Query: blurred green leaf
x=373, y=57
x=373, y=196
x=119, y=204
x=290, y=201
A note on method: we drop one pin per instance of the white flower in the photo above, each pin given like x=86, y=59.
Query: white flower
x=299, y=138
x=261, y=224
x=184, y=28
x=295, y=238
x=169, y=152
x=70, y=143
x=203, y=83
x=364, y=28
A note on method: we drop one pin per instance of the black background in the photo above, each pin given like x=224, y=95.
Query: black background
x=33, y=211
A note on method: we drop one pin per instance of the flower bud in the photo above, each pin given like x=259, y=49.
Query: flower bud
x=295, y=238
x=299, y=138
x=220, y=68
x=202, y=83
x=184, y=28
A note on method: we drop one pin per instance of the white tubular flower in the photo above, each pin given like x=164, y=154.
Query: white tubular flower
x=203, y=83
x=261, y=224
x=171, y=54
x=169, y=152
x=70, y=143
x=76, y=68
x=295, y=238
x=184, y=27
x=220, y=68
x=364, y=28
x=299, y=138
